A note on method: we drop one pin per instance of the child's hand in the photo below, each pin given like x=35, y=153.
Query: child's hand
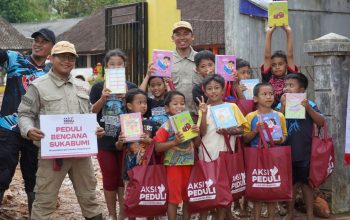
x=306, y=104
x=258, y=124
x=151, y=69
x=222, y=131
x=202, y=105
x=121, y=138
x=179, y=137
x=283, y=100
x=287, y=28
x=235, y=131
x=279, y=141
x=105, y=94
x=242, y=87
x=100, y=132
x=234, y=75
x=195, y=128
x=270, y=30
x=145, y=138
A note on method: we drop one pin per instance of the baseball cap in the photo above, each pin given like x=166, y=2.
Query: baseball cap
x=182, y=24
x=46, y=33
x=64, y=47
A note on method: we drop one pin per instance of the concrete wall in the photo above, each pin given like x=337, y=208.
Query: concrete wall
x=162, y=14
x=245, y=35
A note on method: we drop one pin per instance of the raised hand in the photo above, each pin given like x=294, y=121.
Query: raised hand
x=151, y=69
x=202, y=105
x=105, y=94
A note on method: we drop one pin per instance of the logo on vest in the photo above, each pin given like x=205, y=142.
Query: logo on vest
x=68, y=120
x=264, y=178
x=152, y=195
x=238, y=183
x=200, y=191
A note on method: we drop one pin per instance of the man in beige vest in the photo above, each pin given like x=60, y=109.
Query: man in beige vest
x=59, y=93
x=183, y=72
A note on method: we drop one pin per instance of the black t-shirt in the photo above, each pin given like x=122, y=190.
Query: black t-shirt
x=197, y=92
x=300, y=136
x=156, y=112
x=108, y=117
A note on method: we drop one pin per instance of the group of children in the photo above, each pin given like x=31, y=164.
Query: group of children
x=279, y=76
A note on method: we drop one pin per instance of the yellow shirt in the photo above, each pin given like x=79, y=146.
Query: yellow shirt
x=252, y=119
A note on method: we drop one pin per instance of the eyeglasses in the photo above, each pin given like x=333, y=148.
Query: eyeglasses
x=66, y=57
x=186, y=34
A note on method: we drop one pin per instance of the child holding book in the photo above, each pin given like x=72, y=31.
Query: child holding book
x=158, y=86
x=243, y=72
x=275, y=67
x=178, y=155
x=300, y=137
x=264, y=98
x=213, y=139
x=108, y=108
x=205, y=65
x=136, y=101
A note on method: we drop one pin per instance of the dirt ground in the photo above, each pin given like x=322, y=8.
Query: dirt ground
x=15, y=201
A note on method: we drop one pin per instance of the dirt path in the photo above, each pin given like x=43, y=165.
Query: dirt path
x=15, y=199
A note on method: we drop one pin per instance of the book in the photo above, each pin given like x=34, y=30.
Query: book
x=249, y=83
x=274, y=124
x=278, y=13
x=223, y=116
x=294, y=109
x=162, y=61
x=131, y=125
x=183, y=122
x=225, y=65
x=115, y=80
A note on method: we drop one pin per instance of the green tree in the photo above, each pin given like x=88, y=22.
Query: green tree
x=24, y=10
x=16, y=11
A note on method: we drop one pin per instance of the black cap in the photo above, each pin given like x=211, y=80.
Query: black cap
x=46, y=33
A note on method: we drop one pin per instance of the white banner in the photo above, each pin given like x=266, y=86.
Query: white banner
x=68, y=135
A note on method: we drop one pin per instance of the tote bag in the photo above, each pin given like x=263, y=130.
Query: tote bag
x=268, y=170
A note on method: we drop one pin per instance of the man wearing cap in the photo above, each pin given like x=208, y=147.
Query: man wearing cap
x=183, y=71
x=21, y=70
x=58, y=92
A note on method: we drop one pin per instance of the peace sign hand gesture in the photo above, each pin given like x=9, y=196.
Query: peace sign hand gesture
x=202, y=105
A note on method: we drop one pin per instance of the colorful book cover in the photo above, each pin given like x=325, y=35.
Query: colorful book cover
x=131, y=125
x=225, y=65
x=162, y=61
x=115, y=80
x=274, y=124
x=294, y=109
x=183, y=122
x=249, y=83
x=223, y=116
x=278, y=13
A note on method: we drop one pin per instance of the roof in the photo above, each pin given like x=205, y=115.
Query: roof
x=57, y=26
x=207, y=19
x=11, y=39
x=88, y=35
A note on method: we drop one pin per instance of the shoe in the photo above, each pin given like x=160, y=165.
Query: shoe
x=97, y=217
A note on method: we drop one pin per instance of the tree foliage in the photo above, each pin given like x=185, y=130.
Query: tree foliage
x=17, y=11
